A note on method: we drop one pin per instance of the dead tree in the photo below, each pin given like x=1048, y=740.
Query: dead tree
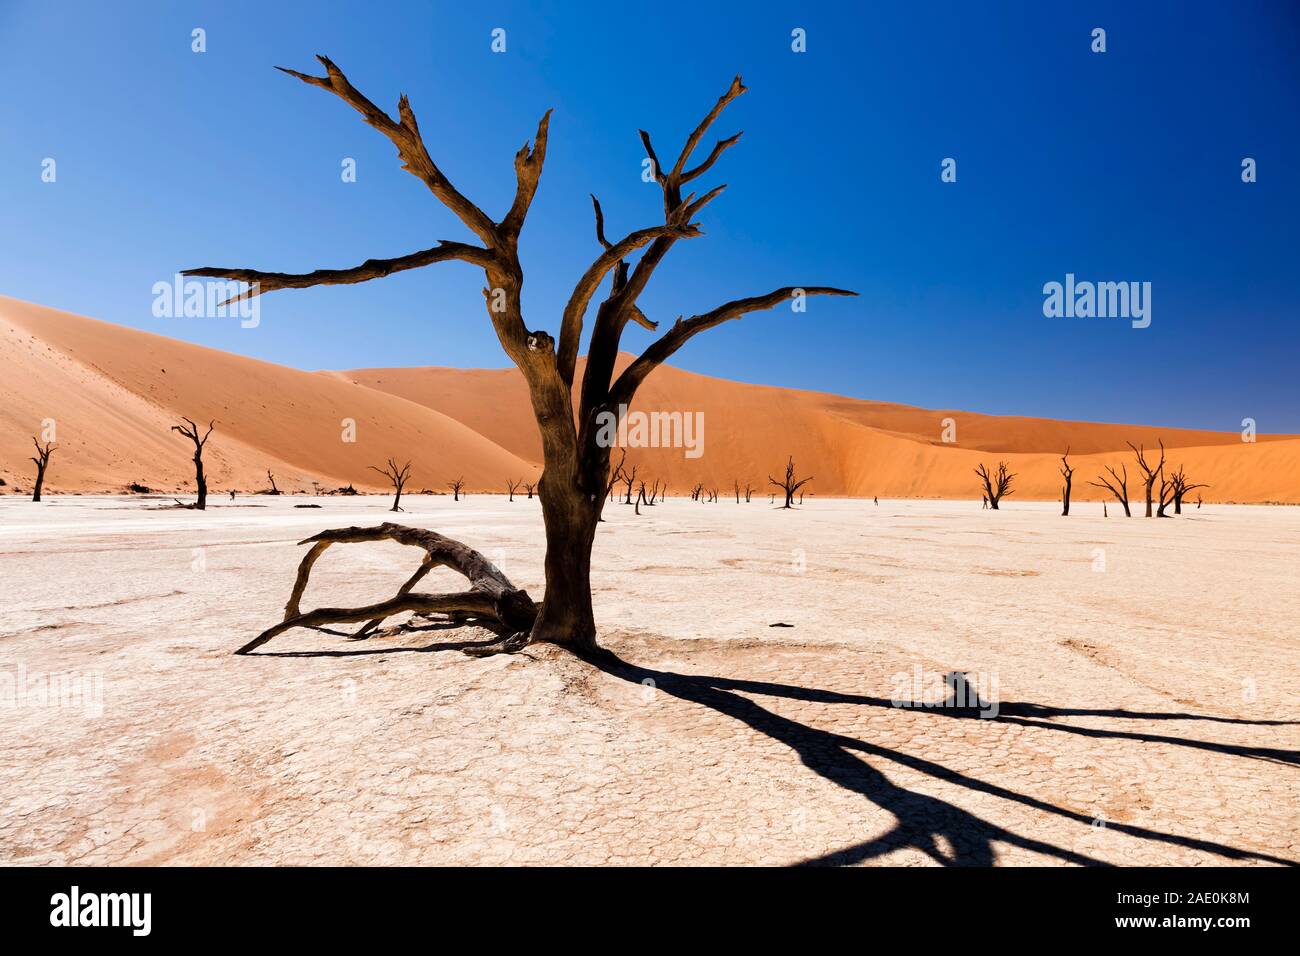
x=615, y=474
x=695, y=492
x=271, y=478
x=1117, y=485
x=997, y=484
x=41, y=461
x=530, y=487
x=654, y=493
x=628, y=477
x=1068, y=474
x=398, y=476
x=512, y=487
x=1166, y=497
x=790, y=486
x=749, y=491
x=736, y=483
x=1149, y=472
x=191, y=431
x=575, y=453
x=1181, y=486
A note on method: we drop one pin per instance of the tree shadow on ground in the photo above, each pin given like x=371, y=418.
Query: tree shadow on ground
x=946, y=833
x=923, y=822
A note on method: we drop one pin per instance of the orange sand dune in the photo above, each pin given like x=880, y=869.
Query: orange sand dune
x=115, y=391
x=855, y=447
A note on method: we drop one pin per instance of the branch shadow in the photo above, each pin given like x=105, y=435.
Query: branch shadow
x=923, y=822
x=407, y=628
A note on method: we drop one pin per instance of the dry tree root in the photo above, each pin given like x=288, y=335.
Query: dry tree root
x=491, y=600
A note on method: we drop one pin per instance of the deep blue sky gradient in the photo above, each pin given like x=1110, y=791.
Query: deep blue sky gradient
x=1122, y=166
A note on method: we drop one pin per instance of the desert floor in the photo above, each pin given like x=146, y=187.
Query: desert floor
x=1143, y=673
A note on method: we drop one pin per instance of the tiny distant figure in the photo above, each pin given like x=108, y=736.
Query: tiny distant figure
x=876, y=500
x=984, y=502
x=232, y=494
x=1198, y=502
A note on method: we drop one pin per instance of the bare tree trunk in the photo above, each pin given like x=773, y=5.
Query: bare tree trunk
x=1151, y=472
x=42, y=461
x=1068, y=474
x=191, y=431
x=566, y=617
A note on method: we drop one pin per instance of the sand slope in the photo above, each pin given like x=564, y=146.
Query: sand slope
x=856, y=447
x=114, y=392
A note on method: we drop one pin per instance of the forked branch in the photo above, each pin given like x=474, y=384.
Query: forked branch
x=491, y=598
x=683, y=330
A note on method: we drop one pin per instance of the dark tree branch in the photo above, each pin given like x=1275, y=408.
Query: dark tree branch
x=405, y=135
x=528, y=171
x=571, y=323
x=260, y=283
x=682, y=331
x=491, y=595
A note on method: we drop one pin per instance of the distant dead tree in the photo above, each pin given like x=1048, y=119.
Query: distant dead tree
x=1149, y=472
x=315, y=488
x=654, y=492
x=997, y=484
x=531, y=488
x=697, y=490
x=789, y=485
x=615, y=474
x=1181, y=487
x=1068, y=474
x=191, y=431
x=749, y=492
x=1117, y=485
x=736, y=485
x=628, y=478
x=641, y=498
x=512, y=487
x=398, y=476
x=271, y=478
x=41, y=461
x=456, y=485
x=574, y=446
x=1166, y=497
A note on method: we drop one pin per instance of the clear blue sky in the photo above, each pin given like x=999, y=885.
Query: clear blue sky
x=1121, y=166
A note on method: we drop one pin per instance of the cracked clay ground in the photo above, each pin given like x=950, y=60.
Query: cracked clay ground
x=1144, y=677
